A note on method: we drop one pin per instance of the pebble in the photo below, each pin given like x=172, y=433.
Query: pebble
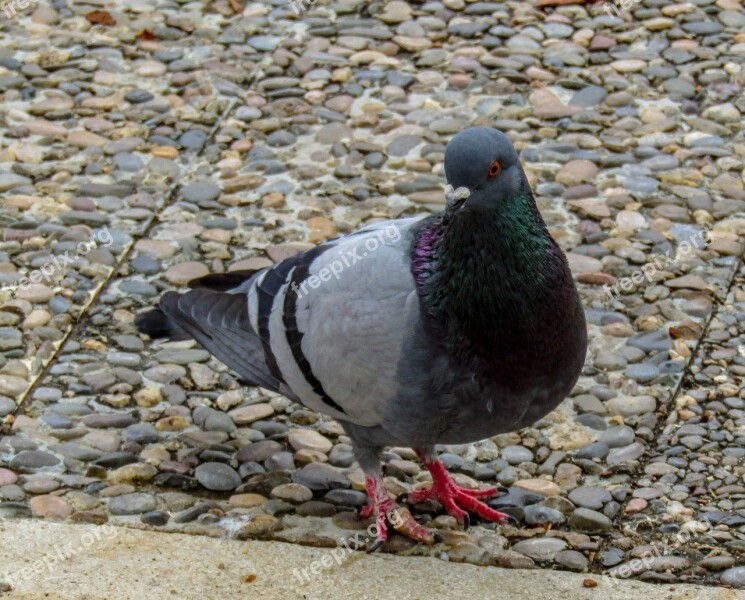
x=217, y=476
x=132, y=504
x=292, y=492
x=572, y=560
x=543, y=515
x=156, y=518
x=307, y=439
x=734, y=577
x=589, y=497
x=589, y=521
x=539, y=486
x=7, y=477
x=249, y=414
x=50, y=507
x=617, y=437
x=30, y=460
x=540, y=549
x=7, y=406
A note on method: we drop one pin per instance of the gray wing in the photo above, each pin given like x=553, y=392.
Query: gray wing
x=339, y=324
x=326, y=327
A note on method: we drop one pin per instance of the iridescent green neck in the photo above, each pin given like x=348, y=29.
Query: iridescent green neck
x=490, y=272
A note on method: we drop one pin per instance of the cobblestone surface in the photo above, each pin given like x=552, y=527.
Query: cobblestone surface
x=183, y=138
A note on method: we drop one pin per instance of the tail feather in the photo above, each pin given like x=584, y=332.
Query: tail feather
x=215, y=314
x=220, y=323
x=157, y=325
x=232, y=281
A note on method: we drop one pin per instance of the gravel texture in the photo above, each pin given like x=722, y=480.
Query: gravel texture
x=183, y=139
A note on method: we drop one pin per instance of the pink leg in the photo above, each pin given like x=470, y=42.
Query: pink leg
x=387, y=511
x=457, y=501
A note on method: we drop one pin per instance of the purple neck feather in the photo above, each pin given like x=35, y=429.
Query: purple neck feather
x=423, y=262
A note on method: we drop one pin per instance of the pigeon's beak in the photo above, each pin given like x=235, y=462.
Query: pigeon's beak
x=455, y=197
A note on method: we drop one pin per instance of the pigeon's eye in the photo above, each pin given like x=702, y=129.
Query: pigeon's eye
x=494, y=169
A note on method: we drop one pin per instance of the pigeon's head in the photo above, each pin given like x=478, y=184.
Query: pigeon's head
x=484, y=162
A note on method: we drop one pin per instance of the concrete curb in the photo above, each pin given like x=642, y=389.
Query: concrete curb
x=49, y=560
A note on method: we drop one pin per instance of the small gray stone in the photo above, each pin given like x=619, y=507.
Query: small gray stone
x=14, y=510
x=192, y=513
x=589, y=521
x=653, y=341
x=8, y=181
x=611, y=557
x=643, y=373
x=33, y=459
x=617, y=437
x=156, y=518
x=515, y=455
x=711, y=563
x=321, y=476
x=10, y=338
x=218, y=477
x=126, y=161
x=589, y=96
x=110, y=420
x=734, y=577
x=132, y=504
x=589, y=497
x=141, y=433
x=733, y=18
x=541, y=549
x=594, y=450
x=200, y=191
x=610, y=361
x=7, y=406
x=622, y=455
x=340, y=497
x=341, y=455
x=193, y=139
x=137, y=96
x=402, y=145
x=535, y=514
x=572, y=560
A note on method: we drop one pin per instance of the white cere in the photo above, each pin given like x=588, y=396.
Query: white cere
x=454, y=195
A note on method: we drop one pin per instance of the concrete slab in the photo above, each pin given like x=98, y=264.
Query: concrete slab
x=45, y=560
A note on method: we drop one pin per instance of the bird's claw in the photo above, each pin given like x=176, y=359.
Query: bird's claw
x=389, y=514
x=458, y=501
x=511, y=520
x=404, y=523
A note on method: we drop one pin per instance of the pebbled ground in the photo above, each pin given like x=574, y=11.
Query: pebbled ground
x=181, y=138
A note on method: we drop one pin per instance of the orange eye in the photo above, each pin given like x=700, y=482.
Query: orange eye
x=494, y=169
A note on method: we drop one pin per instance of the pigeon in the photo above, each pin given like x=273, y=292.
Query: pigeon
x=416, y=332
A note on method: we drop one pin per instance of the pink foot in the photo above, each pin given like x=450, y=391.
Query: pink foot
x=386, y=512
x=457, y=501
